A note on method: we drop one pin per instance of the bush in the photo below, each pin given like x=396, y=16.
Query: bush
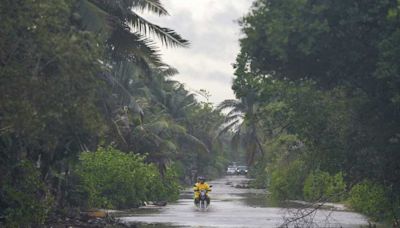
x=260, y=175
x=113, y=179
x=215, y=167
x=24, y=198
x=164, y=189
x=320, y=185
x=370, y=199
x=287, y=182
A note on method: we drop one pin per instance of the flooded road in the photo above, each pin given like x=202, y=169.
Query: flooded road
x=234, y=207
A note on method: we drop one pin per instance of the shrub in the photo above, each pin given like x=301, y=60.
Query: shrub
x=164, y=189
x=113, y=179
x=320, y=185
x=287, y=182
x=370, y=199
x=260, y=175
x=24, y=198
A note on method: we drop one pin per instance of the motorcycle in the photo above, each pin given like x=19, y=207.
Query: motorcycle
x=203, y=200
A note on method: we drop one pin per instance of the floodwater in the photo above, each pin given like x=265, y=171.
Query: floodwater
x=237, y=207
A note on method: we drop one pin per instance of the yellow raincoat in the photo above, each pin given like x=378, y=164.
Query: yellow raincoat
x=198, y=187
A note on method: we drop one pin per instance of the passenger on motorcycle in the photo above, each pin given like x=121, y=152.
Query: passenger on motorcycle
x=201, y=185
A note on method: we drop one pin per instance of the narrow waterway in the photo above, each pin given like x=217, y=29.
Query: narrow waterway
x=235, y=207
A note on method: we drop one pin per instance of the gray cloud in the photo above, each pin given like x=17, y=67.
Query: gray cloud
x=211, y=27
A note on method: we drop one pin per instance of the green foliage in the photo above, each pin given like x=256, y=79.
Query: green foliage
x=49, y=87
x=126, y=32
x=24, y=197
x=78, y=74
x=113, y=179
x=287, y=181
x=371, y=199
x=260, y=175
x=164, y=188
x=301, y=38
x=320, y=186
x=325, y=73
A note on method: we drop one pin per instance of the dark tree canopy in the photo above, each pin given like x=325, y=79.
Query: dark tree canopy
x=329, y=73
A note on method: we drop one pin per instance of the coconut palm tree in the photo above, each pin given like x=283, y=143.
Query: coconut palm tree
x=125, y=31
x=130, y=54
x=163, y=104
x=130, y=51
x=242, y=122
x=242, y=118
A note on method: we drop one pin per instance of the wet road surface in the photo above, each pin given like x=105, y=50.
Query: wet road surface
x=234, y=207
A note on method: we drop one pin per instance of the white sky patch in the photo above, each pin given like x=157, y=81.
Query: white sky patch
x=212, y=29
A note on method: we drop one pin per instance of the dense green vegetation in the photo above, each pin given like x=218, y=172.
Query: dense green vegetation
x=90, y=116
x=87, y=106
x=318, y=86
x=126, y=181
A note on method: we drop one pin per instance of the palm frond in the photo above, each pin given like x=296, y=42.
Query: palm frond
x=236, y=111
x=140, y=48
x=168, y=37
x=228, y=127
x=114, y=82
x=153, y=138
x=168, y=146
x=151, y=6
x=196, y=141
x=168, y=71
x=156, y=127
x=130, y=101
x=172, y=82
x=230, y=104
x=187, y=102
x=113, y=17
x=144, y=92
x=237, y=116
x=178, y=129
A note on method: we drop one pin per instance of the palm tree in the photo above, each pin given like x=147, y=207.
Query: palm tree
x=162, y=139
x=162, y=103
x=242, y=121
x=125, y=31
x=130, y=54
x=241, y=118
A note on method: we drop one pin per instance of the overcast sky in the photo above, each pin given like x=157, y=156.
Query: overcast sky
x=212, y=29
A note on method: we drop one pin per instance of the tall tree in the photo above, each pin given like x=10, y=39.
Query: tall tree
x=242, y=116
x=126, y=32
x=346, y=52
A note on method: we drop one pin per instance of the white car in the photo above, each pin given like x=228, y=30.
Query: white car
x=231, y=170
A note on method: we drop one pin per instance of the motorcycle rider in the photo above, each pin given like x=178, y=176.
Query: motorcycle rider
x=201, y=185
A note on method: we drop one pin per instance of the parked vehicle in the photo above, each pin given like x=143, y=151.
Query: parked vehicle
x=242, y=170
x=231, y=170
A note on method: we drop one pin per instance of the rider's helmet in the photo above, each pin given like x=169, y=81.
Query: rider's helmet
x=201, y=179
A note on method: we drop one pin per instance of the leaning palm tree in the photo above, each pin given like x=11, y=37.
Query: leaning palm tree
x=130, y=53
x=162, y=139
x=242, y=122
x=130, y=49
x=161, y=133
x=125, y=31
x=242, y=118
